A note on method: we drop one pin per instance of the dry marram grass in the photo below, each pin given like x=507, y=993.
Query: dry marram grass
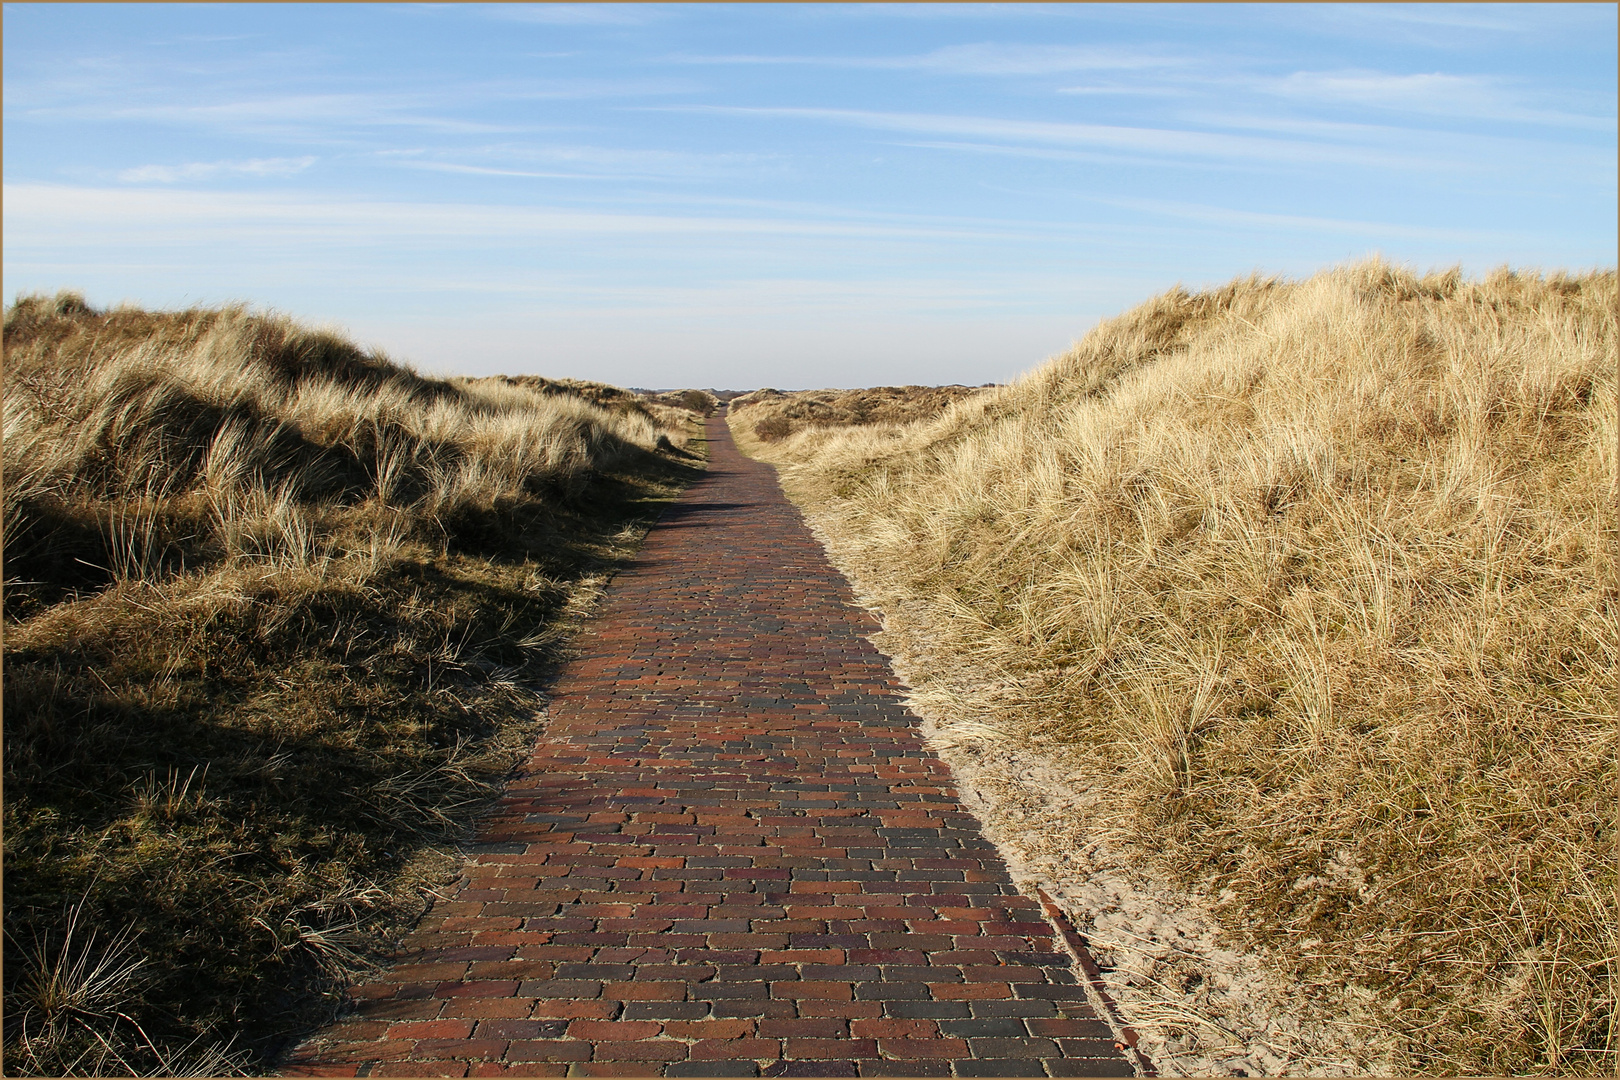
x=277, y=612
x=774, y=415
x=1312, y=586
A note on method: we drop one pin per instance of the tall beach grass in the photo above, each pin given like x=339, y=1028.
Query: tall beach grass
x=1314, y=583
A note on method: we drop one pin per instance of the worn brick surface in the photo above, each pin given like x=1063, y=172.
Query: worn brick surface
x=730, y=855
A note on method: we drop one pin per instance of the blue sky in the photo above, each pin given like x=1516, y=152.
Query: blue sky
x=784, y=195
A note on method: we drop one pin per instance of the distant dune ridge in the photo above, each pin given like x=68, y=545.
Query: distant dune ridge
x=1311, y=587
x=775, y=415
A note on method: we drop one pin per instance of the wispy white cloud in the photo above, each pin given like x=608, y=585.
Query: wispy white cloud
x=455, y=109
x=212, y=39
x=994, y=59
x=949, y=147
x=1433, y=94
x=938, y=12
x=1230, y=218
x=1365, y=87
x=286, y=112
x=1168, y=144
x=1371, y=144
x=985, y=58
x=1430, y=95
x=577, y=162
x=1494, y=17
x=757, y=295
x=1041, y=153
x=486, y=170
x=1156, y=88
x=207, y=170
x=573, y=89
x=573, y=14
x=36, y=213
x=1449, y=27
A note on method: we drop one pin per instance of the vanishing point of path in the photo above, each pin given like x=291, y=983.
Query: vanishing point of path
x=730, y=855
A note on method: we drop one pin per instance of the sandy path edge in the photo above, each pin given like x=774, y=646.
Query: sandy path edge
x=1200, y=1001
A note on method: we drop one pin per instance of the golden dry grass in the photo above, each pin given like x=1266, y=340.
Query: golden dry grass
x=1316, y=583
x=773, y=415
x=277, y=614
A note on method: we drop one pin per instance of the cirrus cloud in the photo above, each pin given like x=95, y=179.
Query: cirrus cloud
x=208, y=170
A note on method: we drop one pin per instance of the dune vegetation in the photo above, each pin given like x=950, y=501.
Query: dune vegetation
x=277, y=615
x=1312, y=586
x=774, y=415
x=615, y=397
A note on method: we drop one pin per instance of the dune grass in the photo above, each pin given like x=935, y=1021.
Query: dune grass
x=1313, y=583
x=774, y=415
x=277, y=616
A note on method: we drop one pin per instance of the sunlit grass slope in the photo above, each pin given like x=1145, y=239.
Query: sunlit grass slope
x=276, y=612
x=1316, y=583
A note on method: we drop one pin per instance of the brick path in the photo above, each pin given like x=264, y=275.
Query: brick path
x=730, y=855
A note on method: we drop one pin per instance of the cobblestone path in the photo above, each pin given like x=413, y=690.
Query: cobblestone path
x=730, y=855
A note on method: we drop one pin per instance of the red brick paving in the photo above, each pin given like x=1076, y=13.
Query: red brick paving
x=730, y=855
